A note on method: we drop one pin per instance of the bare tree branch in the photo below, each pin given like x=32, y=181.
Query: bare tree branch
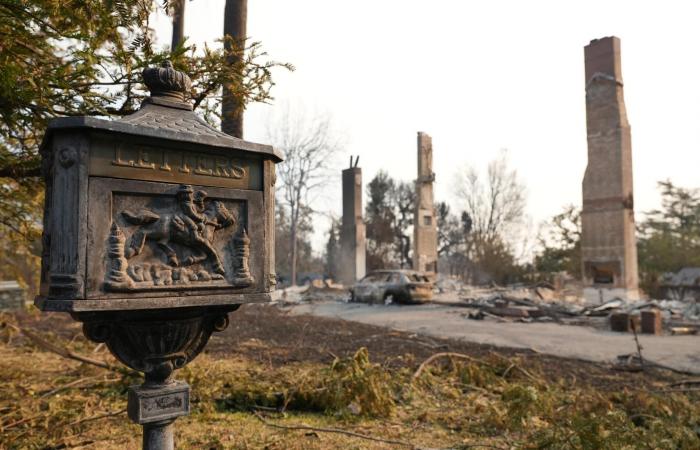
x=495, y=206
x=310, y=148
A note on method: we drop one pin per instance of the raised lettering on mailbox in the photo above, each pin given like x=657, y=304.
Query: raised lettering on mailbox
x=160, y=159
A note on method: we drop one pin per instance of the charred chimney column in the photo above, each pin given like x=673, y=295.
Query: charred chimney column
x=352, y=231
x=424, y=220
x=608, y=242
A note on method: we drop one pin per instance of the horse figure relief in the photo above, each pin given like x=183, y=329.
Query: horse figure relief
x=193, y=226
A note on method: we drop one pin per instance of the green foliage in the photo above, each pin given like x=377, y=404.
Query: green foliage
x=21, y=208
x=351, y=386
x=67, y=58
x=616, y=421
x=475, y=245
x=74, y=58
x=669, y=238
x=389, y=212
x=476, y=375
x=494, y=261
x=454, y=241
x=497, y=402
x=404, y=201
x=332, y=254
x=379, y=220
x=451, y=232
x=560, y=244
x=528, y=412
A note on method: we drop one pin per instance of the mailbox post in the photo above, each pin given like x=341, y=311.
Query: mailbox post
x=156, y=226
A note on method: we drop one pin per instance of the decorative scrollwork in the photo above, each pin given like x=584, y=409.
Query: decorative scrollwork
x=242, y=253
x=67, y=157
x=166, y=81
x=117, y=276
x=156, y=343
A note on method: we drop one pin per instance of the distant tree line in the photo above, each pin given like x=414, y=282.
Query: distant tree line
x=473, y=244
x=479, y=242
x=61, y=58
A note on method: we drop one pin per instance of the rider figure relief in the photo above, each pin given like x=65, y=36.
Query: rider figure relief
x=192, y=225
x=193, y=219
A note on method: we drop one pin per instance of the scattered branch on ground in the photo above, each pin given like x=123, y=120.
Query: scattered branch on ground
x=66, y=353
x=684, y=383
x=97, y=417
x=334, y=430
x=517, y=367
x=477, y=400
x=20, y=422
x=678, y=390
x=67, y=386
x=639, y=347
x=437, y=356
x=626, y=363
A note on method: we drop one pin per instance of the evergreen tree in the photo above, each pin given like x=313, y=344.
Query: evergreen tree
x=332, y=252
x=560, y=245
x=669, y=238
x=85, y=58
x=379, y=222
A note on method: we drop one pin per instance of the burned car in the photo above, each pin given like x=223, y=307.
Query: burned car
x=399, y=286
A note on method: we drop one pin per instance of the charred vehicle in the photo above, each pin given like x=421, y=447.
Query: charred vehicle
x=399, y=286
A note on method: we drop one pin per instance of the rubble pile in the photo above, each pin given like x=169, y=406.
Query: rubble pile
x=565, y=304
x=529, y=306
x=560, y=303
x=316, y=291
x=540, y=305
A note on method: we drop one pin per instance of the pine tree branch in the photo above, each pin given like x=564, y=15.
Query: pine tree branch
x=19, y=171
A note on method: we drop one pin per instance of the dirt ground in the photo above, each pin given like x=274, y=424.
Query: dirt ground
x=277, y=380
x=270, y=335
x=551, y=338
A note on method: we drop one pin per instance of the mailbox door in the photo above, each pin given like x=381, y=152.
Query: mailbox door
x=155, y=245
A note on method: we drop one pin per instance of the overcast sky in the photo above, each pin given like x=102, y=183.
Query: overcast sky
x=479, y=76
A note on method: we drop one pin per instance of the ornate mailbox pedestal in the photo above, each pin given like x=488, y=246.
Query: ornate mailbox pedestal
x=156, y=226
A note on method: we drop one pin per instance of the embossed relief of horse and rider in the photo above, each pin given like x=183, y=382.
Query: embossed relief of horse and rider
x=169, y=241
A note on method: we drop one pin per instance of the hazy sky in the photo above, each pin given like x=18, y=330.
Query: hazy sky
x=480, y=77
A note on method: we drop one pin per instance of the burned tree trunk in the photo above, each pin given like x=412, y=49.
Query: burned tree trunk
x=178, y=23
x=235, y=21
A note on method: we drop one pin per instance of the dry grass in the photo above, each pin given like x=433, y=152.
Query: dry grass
x=48, y=402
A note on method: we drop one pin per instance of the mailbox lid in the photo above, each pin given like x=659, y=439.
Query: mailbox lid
x=162, y=122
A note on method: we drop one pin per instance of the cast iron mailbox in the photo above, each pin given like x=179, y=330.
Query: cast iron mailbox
x=155, y=227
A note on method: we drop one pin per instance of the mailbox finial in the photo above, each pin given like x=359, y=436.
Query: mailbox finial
x=165, y=81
